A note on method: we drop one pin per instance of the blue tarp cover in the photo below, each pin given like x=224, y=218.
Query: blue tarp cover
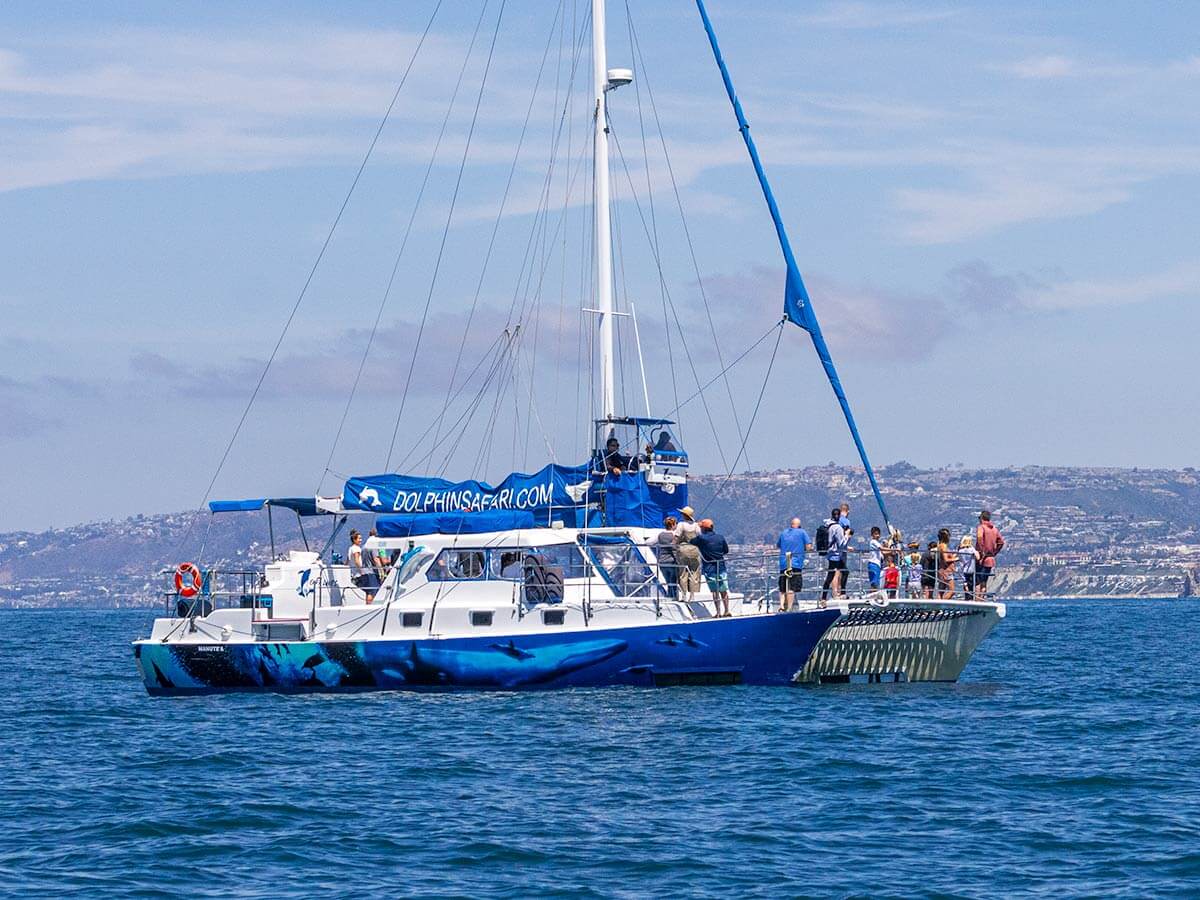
x=405, y=525
x=550, y=487
x=630, y=501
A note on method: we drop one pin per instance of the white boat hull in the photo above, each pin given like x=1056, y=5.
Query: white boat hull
x=900, y=640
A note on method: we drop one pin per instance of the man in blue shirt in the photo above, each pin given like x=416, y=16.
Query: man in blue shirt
x=793, y=543
x=713, y=549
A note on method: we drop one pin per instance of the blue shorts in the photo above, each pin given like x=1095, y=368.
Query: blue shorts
x=718, y=582
x=873, y=574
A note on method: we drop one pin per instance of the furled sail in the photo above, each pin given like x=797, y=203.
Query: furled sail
x=797, y=307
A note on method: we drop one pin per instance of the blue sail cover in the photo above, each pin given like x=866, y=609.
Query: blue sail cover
x=797, y=306
x=551, y=488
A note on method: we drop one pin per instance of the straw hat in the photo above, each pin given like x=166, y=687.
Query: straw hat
x=688, y=511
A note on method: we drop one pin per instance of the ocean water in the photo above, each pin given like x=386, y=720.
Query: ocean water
x=1066, y=762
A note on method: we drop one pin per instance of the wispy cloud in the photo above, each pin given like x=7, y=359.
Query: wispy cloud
x=327, y=369
x=859, y=320
x=976, y=284
x=33, y=406
x=1057, y=66
x=144, y=102
x=859, y=15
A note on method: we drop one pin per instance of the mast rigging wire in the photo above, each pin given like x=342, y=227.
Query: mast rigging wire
x=317, y=262
x=487, y=256
x=687, y=233
x=445, y=231
x=753, y=416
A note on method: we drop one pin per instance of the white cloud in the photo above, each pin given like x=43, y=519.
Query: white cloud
x=1179, y=281
x=992, y=202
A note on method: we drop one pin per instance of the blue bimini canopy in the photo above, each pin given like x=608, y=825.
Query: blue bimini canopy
x=406, y=525
x=305, y=506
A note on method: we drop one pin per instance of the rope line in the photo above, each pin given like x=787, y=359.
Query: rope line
x=313, y=270
x=446, y=230
x=761, y=391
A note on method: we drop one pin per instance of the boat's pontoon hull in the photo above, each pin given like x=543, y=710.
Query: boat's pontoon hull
x=904, y=640
x=761, y=650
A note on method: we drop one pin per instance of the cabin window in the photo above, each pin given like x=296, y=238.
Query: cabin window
x=411, y=619
x=553, y=616
x=481, y=618
x=566, y=557
x=458, y=565
x=508, y=564
x=624, y=569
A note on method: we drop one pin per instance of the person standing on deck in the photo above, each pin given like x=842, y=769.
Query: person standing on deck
x=875, y=558
x=713, y=550
x=793, y=544
x=374, y=559
x=359, y=574
x=968, y=564
x=947, y=559
x=664, y=552
x=988, y=542
x=929, y=569
x=687, y=554
x=912, y=571
x=836, y=570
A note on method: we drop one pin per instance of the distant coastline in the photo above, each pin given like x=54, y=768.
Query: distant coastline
x=1071, y=532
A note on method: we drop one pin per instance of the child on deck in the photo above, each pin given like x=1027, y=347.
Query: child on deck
x=875, y=558
x=891, y=579
x=968, y=560
x=912, y=571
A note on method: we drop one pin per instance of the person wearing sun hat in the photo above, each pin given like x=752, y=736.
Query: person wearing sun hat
x=687, y=554
x=687, y=529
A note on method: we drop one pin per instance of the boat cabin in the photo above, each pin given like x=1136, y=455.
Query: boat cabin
x=649, y=446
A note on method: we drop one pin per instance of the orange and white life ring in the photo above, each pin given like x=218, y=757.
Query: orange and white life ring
x=188, y=579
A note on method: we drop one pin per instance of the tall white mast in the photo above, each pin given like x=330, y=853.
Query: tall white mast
x=604, y=285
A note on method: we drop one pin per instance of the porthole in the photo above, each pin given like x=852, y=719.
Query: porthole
x=481, y=619
x=553, y=616
x=411, y=620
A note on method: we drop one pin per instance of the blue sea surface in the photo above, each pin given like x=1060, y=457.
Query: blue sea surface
x=1066, y=762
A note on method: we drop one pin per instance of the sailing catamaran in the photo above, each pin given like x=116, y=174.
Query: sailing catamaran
x=542, y=580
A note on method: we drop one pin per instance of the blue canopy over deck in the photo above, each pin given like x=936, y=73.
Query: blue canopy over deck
x=304, y=506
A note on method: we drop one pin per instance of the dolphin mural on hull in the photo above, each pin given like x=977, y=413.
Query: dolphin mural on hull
x=757, y=650
x=499, y=665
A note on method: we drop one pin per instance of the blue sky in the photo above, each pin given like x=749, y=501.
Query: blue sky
x=994, y=207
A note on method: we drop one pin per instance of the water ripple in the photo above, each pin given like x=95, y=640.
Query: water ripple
x=1066, y=762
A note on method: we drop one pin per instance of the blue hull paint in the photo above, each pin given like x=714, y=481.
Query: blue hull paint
x=751, y=650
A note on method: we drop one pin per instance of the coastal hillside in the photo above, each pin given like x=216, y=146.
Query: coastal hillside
x=1084, y=531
